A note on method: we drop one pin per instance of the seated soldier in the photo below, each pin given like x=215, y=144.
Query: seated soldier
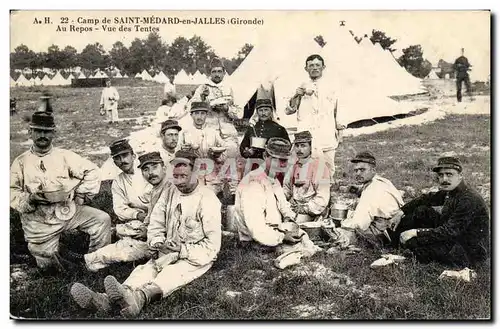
x=264, y=128
x=379, y=200
x=449, y=226
x=129, y=185
x=184, y=236
x=131, y=246
x=307, y=182
x=200, y=137
x=45, y=168
x=260, y=202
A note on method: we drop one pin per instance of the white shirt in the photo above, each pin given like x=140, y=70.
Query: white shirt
x=129, y=188
x=379, y=198
x=109, y=98
x=316, y=113
x=260, y=202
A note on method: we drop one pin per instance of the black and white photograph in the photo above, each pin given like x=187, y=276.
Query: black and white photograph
x=250, y=165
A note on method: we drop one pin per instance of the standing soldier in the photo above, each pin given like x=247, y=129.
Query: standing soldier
x=462, y=67
x=109, y=102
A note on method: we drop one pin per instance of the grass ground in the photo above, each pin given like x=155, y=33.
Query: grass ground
x=243, y=284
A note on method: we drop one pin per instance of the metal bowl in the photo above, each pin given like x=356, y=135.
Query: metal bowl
x=339, y=211
x=57, y=196
x=258, y=142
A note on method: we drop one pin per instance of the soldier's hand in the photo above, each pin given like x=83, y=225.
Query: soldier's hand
x=292, y=237
x=300, y=91
x=248, y=151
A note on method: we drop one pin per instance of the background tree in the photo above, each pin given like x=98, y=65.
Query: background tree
x=93, y=57
x=22, y=57
x=69, y=57
x=154, y=53
x=120, y=56
x=178, y=56
x=413, y=61
x=385, y=41
x=135, y=62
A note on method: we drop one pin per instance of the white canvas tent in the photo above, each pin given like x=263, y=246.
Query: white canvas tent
x=22, y=81
x=432, y=75
x=145, y=76
x=181, y=78
x=198, y=78
x=58, y=80
x=125, y=75
x=82, y=76
x=12, y=82
x=138, y=75
x=264, y=66
x=100, y=74
x=161, y=78
x=118, y=75
x=46, y=80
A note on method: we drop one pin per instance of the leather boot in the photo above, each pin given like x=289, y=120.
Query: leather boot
x=145, y=295
x=88, y=299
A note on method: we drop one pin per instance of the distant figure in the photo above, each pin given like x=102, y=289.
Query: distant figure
x=163, y=112
x=461, y=67
x=109, y=102
x=13, y=105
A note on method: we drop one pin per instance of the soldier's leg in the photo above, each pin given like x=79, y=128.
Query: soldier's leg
x=124, y=250
x=96, y=223
x=459, y=88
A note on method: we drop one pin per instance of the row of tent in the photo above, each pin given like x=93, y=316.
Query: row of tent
x=181, y=78
x=58, y=79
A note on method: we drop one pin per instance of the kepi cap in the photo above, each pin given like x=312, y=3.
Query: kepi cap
x=184, y=156
x=263, y=103
x=151, y=157
x=449, y=163
x=119, y=147
x=43, y=121
x=199, y=106
x=278, y=147
x=303, y=137
x=170, y=124
x=365, y=157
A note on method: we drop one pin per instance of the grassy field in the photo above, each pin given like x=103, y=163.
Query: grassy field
x=243, y=284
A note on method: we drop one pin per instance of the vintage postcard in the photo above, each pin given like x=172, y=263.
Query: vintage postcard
x=250, y=165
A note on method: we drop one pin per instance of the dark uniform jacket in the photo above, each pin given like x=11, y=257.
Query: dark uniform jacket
x=264, y=129
x=461, y=66
x=464, y=220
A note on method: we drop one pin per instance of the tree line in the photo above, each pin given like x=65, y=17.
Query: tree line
x=154, y=55
x=150, y=53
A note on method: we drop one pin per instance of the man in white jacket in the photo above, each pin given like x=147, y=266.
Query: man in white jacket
x=184, y=236
x=379, y=200
x=316, y=103
x=307, y=182
x=222, y=112
x=260, y=203
x=47, y=168
x=109, y=102
x=200, y=137
x=132, y=245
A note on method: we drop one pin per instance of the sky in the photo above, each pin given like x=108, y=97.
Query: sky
x=441, y=33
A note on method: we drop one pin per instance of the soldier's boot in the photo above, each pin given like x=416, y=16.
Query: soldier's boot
x=90, y=300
